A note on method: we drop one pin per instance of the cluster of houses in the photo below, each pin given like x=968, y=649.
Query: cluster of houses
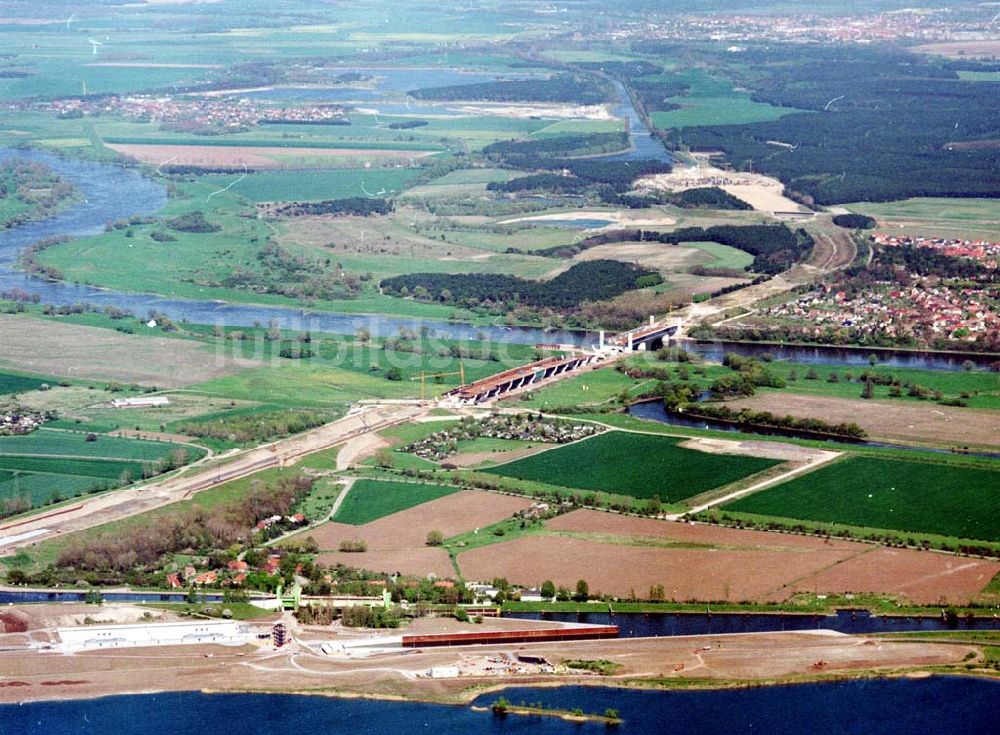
x=917, y=24
x=982, y=251
x=293, y=520
x=522, y=427
x=14, y=420
x=210, y=113
x=921, y=311
x=233, y=575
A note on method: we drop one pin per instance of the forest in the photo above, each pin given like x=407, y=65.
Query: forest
x=567, y=88
x=563, y=145
x=881, y=125
x=709, y=197
x=593, y=280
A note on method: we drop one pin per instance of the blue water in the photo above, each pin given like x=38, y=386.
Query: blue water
x=573, y=224
x=847, y=357
x=861, y=622
x=644, y=145
x=20, y=597
x=872, y=707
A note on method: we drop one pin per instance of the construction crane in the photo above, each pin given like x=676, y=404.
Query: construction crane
x=424, y=375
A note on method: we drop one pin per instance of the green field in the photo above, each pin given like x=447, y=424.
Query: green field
x=979, y=388
x=722, y=256
x=711, y=101
x=638, y=465
x=14, y=383
x=369, y=500
x=878, y=493
x=74, y=444
x=270, y=186
x=936, y=217
x=98, y=468
x=50, y=464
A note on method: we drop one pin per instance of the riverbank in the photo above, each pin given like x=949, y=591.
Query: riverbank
x=713, y=662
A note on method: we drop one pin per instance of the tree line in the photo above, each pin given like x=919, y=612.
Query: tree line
x=594, y=280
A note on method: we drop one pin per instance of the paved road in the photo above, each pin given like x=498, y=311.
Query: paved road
x=140, y=499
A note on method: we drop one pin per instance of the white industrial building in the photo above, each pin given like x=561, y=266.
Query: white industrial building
x=90, y=637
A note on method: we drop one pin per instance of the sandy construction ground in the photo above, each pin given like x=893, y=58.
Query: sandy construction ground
x=71, y=350
x=622, y=219
x=763, y=193
x=256, y=157
x=893, y=420
x=397, y=543
x=569, y=112
x=620, y=554
x=772, y=450
x=45, y=676
x=152, y=65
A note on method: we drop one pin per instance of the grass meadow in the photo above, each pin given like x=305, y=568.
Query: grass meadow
x=922, y=497
x=638, y=465
x=13, y=383
x=369, y=500
x=50, y=464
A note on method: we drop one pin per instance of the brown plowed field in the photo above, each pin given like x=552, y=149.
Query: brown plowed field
x=618, y=555
x=598, y=522
x=236, y=157
x=921, y=576
x=396, y=543
x=894, y=420
x=73, y=350
x=685, y=573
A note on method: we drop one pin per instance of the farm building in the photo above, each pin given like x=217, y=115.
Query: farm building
x=141, y=402
x=91, y=637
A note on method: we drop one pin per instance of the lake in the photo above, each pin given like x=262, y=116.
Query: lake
x=868, y=707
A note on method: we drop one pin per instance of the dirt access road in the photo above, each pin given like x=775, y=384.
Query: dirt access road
x=131, y=501
x=833, y=250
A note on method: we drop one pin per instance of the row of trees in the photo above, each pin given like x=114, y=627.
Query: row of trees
x=255, y=427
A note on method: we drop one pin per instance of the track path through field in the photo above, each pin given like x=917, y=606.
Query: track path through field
x=813, y=463
x=193, y=479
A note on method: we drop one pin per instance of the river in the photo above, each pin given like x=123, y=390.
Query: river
x=112, y=192
x=644, y=145
x=873, y=707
